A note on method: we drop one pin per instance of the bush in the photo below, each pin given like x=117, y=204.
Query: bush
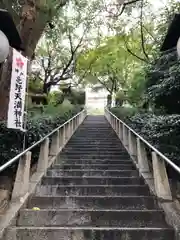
x=124, y=113
x=55, y=98
x=11, y=141
x=162, y=131
x=76, y=97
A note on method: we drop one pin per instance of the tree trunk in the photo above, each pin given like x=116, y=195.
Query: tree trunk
x=5, y=86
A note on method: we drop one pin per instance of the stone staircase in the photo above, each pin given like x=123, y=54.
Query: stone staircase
x=93, y=192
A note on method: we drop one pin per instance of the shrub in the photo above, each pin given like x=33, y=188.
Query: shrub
x=162, y=131
x=11, y=141
x=55, y=98
x=124, y=113
x=76, y=97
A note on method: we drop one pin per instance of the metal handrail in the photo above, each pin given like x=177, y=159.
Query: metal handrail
x=167, y=160
x=13, y=160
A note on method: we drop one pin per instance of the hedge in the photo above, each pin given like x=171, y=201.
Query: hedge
x=162, y=131
x=11, y=141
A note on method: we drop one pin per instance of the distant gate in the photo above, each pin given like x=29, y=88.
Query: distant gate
x=96, y=101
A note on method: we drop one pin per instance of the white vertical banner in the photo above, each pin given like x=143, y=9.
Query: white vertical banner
x=17, y=91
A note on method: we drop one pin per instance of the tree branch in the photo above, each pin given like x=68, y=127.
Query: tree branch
x=150, y=34
x=104, y=84
x=134, y=54
x=122, y=6
x=142, y=34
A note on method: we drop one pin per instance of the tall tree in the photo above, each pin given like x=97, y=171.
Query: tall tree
x=31, y=18
x=110, y=64
x=58, y=50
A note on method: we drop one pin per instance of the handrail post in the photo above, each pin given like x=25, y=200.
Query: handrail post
x=64, y=135
x=125, y=137
x=73, y=125
x=117, y=131
x=81, y=118
x=21, y=185
x=111, y=121
x=120, y=131
x=54, y=144
x=76, y=122
x=117, y=126
x=132, y=145
x=161, y=182
x=114, y=124
x=142, y=157
x=71, y=128
x=61, y=137
x=43, y=156
x=68, y=131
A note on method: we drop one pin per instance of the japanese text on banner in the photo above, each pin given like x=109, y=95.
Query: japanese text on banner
x=17, y=91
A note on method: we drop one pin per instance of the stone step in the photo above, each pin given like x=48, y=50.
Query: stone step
x=89, y=148
x=93, y=139
x=110, y=135
x=95, y=166
x=92, y=180
x=89, y=137
x=94, y=202
x=92, y=161
x=93, y=156
x=96, y=151
x=97, y=135
x=92, y=218
x=102, y=141
x=82, y=172
x=102, y=135
x=92, y=192
x=80, y=233
x=95, y=144
x=118, y=190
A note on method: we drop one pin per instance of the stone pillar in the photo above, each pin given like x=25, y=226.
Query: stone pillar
x=142, y=157
x=64, y=134
x=54, y=144
x=71, y=131
x=161, y=182
x=125, y=136
x=43, y=156
x=61, y=137
x=132, y=145
x=120, y=131
x=21, y=185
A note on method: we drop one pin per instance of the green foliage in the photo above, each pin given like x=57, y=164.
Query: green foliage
x=60, y=45
x=53, y=110
x=124, y=113
x=120, y=98
x=11, y=141
x=107, y=64
x=35, y=85
x=76, y=97
x=163, y=83
x=162, y=131
x=55, y=98
x=136, y=90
